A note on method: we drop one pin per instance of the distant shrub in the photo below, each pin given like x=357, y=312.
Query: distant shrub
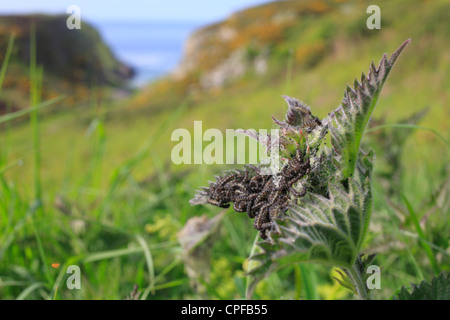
x=310, y=55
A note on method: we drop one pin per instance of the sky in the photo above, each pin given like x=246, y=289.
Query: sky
x=207, y=11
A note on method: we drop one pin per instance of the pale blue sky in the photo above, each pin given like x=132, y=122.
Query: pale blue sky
x=137, y=10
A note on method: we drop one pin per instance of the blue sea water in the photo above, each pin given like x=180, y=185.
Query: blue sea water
x=151, y=48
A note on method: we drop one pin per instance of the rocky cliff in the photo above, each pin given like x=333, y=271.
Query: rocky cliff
x=246, y=41
x=73, y=61
x=253, y=44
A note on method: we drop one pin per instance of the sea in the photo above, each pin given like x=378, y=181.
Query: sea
x=152, y=48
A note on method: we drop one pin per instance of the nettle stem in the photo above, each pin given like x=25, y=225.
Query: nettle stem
x=357, y=279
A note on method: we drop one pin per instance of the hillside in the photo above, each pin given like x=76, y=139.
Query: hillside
x=318, y=47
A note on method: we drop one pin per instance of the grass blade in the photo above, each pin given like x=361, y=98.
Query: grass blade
x=103, y=255
x=28, y=290
x=10, y=166
x=421, y=235
x=151, y=270
x=309, y=282
x=251, y=264
x=35, y=108
x=6, y=59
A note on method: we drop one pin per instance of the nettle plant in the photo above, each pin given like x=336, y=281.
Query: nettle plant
x=317, y=207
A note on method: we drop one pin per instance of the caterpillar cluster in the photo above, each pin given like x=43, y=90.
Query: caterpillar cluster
x=262, y=197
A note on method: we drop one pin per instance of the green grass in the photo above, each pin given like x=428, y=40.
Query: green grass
x=94, y=188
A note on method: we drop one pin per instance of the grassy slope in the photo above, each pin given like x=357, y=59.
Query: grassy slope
x=79, y=168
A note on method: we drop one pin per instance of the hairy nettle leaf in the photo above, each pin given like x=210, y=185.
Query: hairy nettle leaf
x=330, y=228
x=438, y=289
x=352, y=116
x=327, y=220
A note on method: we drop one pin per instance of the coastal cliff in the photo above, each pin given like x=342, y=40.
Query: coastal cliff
x=248, y=39
x=73, y=61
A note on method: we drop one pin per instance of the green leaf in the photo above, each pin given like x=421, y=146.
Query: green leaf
x=345, y=281
x=325, y=230
x=351, y=117
x=438, y=289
